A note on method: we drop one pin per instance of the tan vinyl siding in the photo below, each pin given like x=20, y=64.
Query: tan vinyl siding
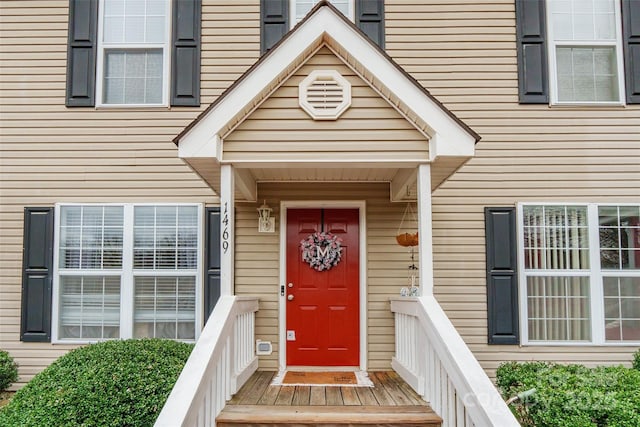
x=258, y=262
x=50, y=153
x=464, y=52
x=290, y=134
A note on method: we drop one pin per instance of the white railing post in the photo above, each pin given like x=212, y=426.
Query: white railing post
x=433, y=359
x=220, y=363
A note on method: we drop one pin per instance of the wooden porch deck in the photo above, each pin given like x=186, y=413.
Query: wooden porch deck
x=390, y=402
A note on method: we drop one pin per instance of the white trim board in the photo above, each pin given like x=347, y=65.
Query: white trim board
x=361, y=205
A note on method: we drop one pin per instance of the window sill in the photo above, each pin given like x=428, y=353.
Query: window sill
x=611, y=105
x=579, y=344
x=132, y=107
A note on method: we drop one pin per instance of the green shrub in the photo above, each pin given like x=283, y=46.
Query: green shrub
x=114, y=383
x=8, y=370
x=636, y=360
x=572, y=395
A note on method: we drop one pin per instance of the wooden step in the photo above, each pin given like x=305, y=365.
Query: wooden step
x=325, y=416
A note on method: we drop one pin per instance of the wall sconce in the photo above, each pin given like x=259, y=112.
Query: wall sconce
x=266, y=224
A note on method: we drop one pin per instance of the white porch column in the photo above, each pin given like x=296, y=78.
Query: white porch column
x=227, y=232
x=425, y=245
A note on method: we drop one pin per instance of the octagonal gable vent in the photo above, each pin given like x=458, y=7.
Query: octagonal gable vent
x=324, y=94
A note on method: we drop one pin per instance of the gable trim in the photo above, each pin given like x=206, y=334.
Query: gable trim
x=455, y=137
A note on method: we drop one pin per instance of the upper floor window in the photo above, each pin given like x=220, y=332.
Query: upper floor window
x=578, y=52
x=278, y=17
x=300, y=8
x=585, y=51
x=133, y=52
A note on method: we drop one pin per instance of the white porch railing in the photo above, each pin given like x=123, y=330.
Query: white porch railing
x=432, y=357
x=220, y=363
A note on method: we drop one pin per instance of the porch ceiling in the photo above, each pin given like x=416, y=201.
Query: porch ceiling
x=324, y=174
x=401, y=177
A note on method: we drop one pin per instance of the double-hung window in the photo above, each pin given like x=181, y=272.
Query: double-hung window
x=278, y=17
x=133, y=52
x=585, y=51
x=300, y=8
x=580, y=273
x=578, y=52
x=126, y=271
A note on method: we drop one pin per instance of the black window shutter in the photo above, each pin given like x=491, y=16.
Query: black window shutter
x=502, y=275
x=274, y=22
x=212, y=256
x=185, y=56
x=370, y=19
x=81, y=53
x=631, y=42
x=533, y=75
x=37, y=272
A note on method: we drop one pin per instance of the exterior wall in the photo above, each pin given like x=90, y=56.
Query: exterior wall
x=463, y=51
x=51, y=153
x=258, y=260
x=369, y=130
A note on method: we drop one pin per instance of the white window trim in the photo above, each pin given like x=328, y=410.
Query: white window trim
x=553, y=69
x=166, y=60
x=595, y=273
x=292, y=12
x=126, y=273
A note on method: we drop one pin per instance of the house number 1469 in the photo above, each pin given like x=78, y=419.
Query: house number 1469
x=225, y=229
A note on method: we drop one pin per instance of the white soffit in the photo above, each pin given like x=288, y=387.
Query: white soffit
x=450, y=137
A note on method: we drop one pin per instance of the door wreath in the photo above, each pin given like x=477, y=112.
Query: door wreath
x=322, y=251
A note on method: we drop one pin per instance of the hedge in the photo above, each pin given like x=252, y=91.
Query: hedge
x=572, y=395
x=8, y=370
x=114, y=383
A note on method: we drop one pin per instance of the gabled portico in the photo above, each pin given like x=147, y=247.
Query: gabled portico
x=234, y=144
x=388, y=141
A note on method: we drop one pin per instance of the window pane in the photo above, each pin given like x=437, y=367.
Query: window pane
x=583, y=20
x=587, y=74
x=133, y=76
x=304, y=6
x=135, y=21
x=619, y=232
x=91, y=237
x=164, y=307
x=622, y=308
x=558, y=308
x=89, y=307
x=165, y=237
x=556, y=237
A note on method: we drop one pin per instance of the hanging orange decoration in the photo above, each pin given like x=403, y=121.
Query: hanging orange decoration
x=407, y=238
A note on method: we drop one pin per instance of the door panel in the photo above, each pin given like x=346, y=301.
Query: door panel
x=324, y=312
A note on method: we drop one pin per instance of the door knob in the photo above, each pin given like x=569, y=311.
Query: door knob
x=290, y=297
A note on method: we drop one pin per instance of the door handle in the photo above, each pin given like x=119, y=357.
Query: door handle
x=290, y=297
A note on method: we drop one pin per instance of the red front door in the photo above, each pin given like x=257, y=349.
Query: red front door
x=323, y=327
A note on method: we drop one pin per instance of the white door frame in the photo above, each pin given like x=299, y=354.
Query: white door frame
x=361, y=205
